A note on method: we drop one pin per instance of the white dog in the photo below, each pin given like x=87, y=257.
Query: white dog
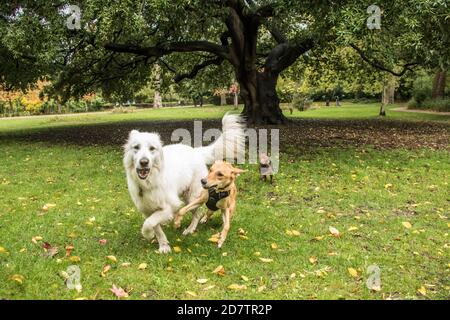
x=161, y=178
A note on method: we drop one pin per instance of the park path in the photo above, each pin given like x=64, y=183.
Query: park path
x=405, y=109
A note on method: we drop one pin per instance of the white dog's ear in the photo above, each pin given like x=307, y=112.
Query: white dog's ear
x=132, y=133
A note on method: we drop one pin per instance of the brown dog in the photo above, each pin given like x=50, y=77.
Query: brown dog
x=219, y=193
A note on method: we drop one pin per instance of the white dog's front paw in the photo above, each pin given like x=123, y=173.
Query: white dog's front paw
x=204, y=219
x=165, y=248
x=148, y=233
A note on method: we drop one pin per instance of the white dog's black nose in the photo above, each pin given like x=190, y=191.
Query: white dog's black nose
x=144, y=162
x=204, y=181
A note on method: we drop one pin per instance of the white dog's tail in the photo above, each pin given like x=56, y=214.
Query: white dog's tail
x=230, y=144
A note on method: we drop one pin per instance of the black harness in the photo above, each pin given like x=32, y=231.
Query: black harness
x=214, y=197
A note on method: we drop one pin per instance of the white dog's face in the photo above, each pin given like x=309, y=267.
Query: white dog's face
x=143, y=153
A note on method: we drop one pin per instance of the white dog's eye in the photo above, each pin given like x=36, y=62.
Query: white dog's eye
x=136, y=147
x=152, y=148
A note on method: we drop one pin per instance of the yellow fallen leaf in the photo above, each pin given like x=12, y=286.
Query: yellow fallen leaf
x=353, y=272
x=105, y=270
x=266, y=260
x=214, y=238
x=18, y=278
x=48, y=206
x=334, y=232
x=75, y=258
x=295, y=232
x=177, y=249
x=352, y=228
x=191, y=293
x=289, y=232
x=112, y=258
x=261, y=288
x=318, y=238
x=257, y=253
x=220, y=271
x=422, y=290
x=244, y=278
x=313, y=260
x=274, y=246
x=236, y=286
x=3, y=250
x=407, y=225
x=388, y=186
x=202, y=280
x=126, y=264
x=142, y=266
x=36, y=239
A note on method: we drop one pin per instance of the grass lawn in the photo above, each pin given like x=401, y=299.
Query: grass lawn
x=391, y=207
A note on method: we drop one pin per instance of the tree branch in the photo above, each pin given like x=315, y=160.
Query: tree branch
x=285, y=54
x=378, y=65
x=195, y=70
x=168, y=48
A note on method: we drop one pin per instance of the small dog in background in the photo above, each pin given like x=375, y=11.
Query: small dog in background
x=265, y=167
x=219, y=192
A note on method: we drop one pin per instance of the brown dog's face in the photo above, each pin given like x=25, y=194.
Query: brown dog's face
x=221, y=175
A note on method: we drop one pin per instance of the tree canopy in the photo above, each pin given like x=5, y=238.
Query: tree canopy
x=252, y=41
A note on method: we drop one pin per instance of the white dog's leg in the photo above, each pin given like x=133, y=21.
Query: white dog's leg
x=164, y=246
x=196, y=216
x=152, y=227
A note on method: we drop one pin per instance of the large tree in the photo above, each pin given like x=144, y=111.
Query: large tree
x=256, y=40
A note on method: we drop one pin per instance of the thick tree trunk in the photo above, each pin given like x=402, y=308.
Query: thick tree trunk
x=262, y=105
x=439, y=83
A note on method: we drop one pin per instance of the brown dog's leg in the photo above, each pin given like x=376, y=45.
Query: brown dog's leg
x=207, y=216
x=226, y=216
x=191, y=206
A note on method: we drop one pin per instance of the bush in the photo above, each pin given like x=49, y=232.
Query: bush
x=301, y=103
x=422, y=89
x=441, y=105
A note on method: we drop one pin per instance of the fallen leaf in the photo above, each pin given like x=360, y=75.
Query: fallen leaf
x=334, y=232
x=105, y=270
x=295, y=232
x=313, y=260
x=48, y=206
x=119, y=292
x=422, y=290
x=353, y=272
x=236, y=286
x=36, y=239
x=202, y=280
x=407, y=225
x=112, y=258
x=214, y=238
x=125, y=264
x=261, y=288
x=18, y=278
x=244, y=278
x=69, y=250
x=266, y=260
x=318, y=238
x=274, y=246
x=75, y=259
x=102, y=241
x=177, y=249
x=142, y=266
x=352, y=229
x=3, y=250
x=220, y=271
x=191, y=293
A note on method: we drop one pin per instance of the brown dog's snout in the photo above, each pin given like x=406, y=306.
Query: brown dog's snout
x=204, y=181
x=144, y=162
